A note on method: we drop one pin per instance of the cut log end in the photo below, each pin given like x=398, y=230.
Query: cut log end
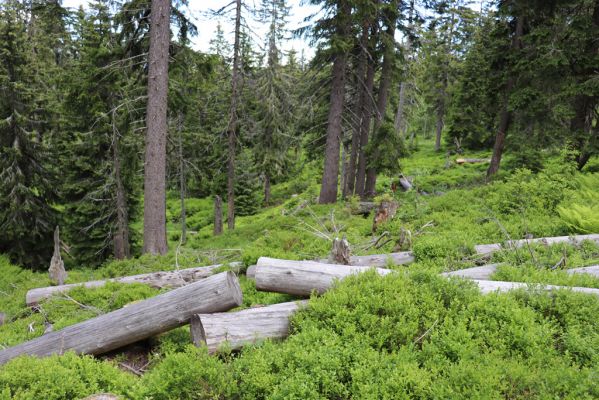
x=234, y=288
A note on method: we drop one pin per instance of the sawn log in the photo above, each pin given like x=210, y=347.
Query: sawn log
x=240, y=328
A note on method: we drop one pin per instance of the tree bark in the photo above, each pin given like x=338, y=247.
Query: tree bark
x=218, y=216
x=486, y=249
x=241, y=328
x=182, y=180
x=399, y=115
x=121, y=237
x=160, y=279
x=155, y=161
x=233, y=120
x=301, y=278
x=137, y=321
x=384, y=87
x=440, y=123
x=330, y=174
x=367, y=108
x=350, y=185
x=266, y=189
x=506, y=115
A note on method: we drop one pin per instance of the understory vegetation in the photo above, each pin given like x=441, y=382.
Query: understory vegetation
x=408, y=335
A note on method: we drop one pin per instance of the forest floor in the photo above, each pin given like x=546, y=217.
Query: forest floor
x=410, y=335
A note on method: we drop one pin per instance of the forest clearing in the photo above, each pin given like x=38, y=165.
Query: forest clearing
x=405, y=207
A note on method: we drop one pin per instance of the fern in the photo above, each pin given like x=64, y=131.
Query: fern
x=581, y=212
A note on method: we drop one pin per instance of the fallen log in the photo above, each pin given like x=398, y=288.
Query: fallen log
x=251, y=272
x=500, y=286
x=461, y=161
x=138, y=321
x=379, y=260
x=486, y=249
x=405, y=183
x=591, y=270
x=241, y=328
x=301, y=278
x=160, y=279
x=482, y=272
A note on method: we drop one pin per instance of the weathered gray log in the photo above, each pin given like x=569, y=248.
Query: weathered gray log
x=56, y=272
x=405, y=183
x=301, y=278
x=486, y=249
x=591, y=270
x=251, y=272
x=461, y=161
x=160, y=279
x=486, y=271
x=379, y=260
x=138, y=321
x=482, y=272
x=500, y=286
x=240, y=328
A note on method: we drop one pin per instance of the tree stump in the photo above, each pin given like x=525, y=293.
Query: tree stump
x=384, y=213
x=218, y=215
x=341, y=252
x=56, y=271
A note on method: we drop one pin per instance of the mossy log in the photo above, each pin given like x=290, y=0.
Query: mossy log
x=486, y=249
x=137, y=321
x=237, y=329
x=160, y=279
x=486, y=271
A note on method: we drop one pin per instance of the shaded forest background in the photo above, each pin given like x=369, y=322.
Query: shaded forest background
x=517, y=76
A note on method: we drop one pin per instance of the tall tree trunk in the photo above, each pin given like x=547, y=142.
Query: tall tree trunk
x=350, y=180
x=399, y=115
x=233, y=120
x=182, y=179
x=367, y=108
x=384, y=87
x=506, y=115
x=330, y=174
x=155, y=161
x=266, y=189
x=121, y=236
x=218, y=216
x=440, y=111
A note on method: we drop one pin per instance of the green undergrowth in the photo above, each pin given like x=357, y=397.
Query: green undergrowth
x=410, y=335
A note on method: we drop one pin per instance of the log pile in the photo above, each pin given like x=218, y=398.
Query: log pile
x=138, y=321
